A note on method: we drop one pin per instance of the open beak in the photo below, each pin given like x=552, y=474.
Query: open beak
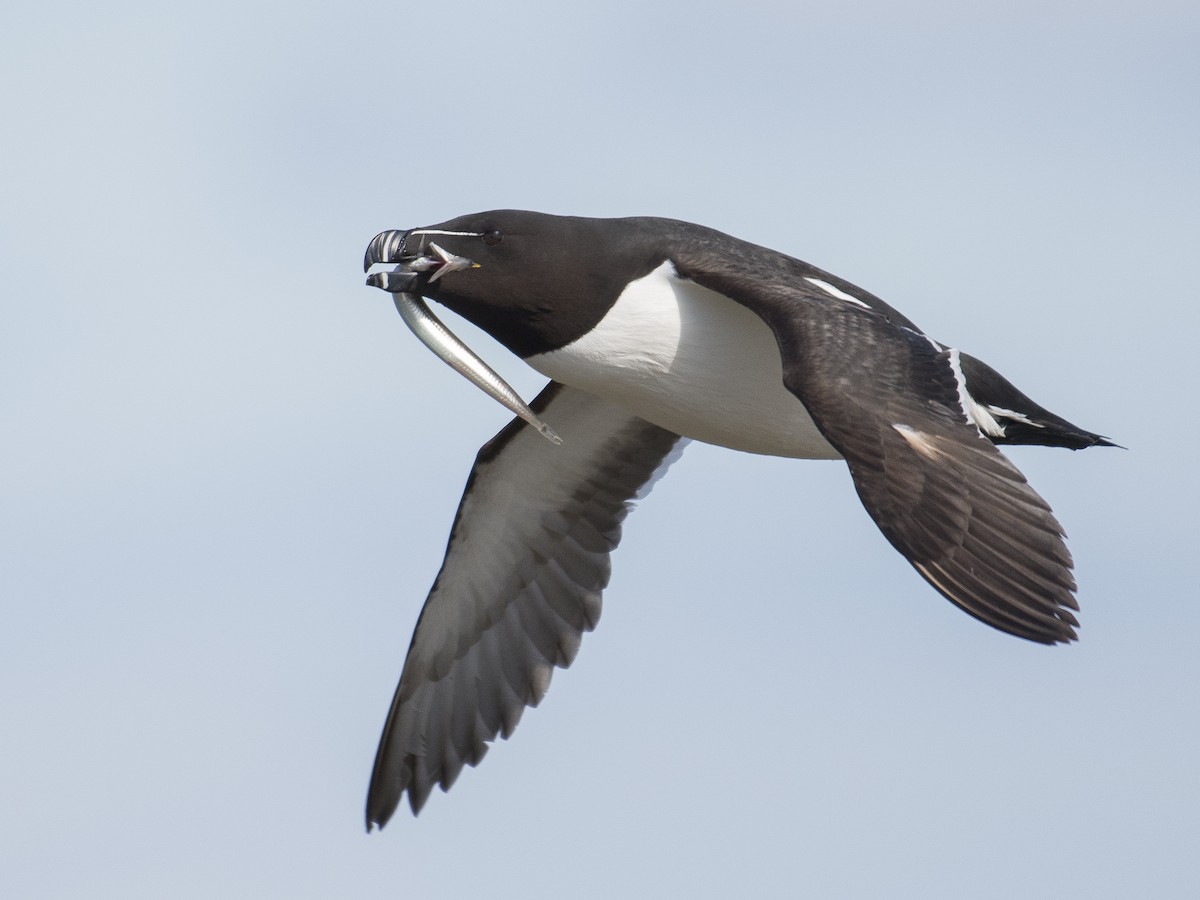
x=388, y=248
x=403, y=280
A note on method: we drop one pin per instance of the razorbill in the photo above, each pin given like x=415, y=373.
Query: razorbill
x=654, y=332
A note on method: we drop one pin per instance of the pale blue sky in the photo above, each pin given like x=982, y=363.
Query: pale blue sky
x=229, y=471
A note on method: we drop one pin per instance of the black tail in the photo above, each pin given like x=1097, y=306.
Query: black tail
x=1023, y=421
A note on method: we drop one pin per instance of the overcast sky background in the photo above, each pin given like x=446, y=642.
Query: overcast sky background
x=228, y=470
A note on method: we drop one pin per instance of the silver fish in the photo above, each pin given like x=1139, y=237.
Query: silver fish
x=462, y=359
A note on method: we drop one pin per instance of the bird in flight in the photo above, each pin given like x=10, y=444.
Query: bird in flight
x=654, y=332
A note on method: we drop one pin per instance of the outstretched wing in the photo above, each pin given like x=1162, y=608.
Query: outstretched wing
x=527, y=560
x=894, y=403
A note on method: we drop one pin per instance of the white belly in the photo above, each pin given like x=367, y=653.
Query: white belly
x=693, y=362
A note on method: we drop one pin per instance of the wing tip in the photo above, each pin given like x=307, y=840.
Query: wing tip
x=1065, y=635
x=1047, y=621
x=1052, y=630
x=378, y=818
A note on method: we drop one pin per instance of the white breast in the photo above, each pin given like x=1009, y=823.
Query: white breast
x=694, y=362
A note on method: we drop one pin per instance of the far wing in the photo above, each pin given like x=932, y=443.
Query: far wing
x=941, y=493
x=527, y=560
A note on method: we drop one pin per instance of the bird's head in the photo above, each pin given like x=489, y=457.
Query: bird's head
x=529, y=279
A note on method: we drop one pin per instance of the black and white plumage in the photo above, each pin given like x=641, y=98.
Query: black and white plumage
x=655, y=331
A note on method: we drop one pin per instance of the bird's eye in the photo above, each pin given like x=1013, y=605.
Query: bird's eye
x=491, y=238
